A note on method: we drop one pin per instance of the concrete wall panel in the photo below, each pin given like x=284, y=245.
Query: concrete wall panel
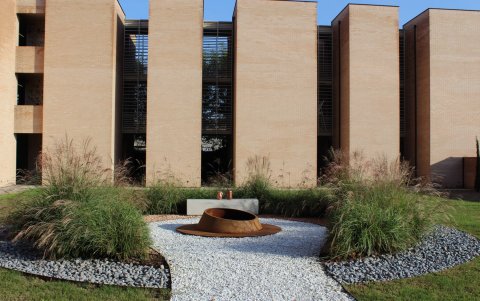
x=28, y=119
x=455, y=92
x=30, y=59
x=367, y=95
x=80, y=73
x=8, y=90
x=446, y=85
x=174, y=125
x=31, y=6
x=276, y=89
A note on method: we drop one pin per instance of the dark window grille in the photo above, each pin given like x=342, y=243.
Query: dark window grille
x=135, y=66
x=217, y=99
x=325, y=76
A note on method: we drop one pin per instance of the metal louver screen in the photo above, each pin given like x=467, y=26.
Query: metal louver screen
x=135, y=65
x=217, y=103
x=325, y=76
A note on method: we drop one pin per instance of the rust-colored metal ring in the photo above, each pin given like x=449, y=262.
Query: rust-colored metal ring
x=222, y=222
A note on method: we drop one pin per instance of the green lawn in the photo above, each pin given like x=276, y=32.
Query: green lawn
x=6, y=204
x=459, y=283
x=16, y=286
x=8, y=201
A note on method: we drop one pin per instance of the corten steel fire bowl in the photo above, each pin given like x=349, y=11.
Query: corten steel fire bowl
x=222, y=222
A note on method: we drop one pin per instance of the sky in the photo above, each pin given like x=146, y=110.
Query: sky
x=222, y=10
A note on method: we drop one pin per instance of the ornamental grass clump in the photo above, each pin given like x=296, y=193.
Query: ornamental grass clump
x=378, y=208
x=100, y=227
x=78, y=213
x=376, y=219
x=258, y=182
x=69, y=171
x=356, y=170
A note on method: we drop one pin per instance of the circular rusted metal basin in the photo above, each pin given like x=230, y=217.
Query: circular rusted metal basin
x=223, y=222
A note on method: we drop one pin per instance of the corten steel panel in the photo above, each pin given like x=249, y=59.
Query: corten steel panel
x=30, y=59
x=174, y=115
x=367, y=71
x=31, y=6
x=469, y=172
x=276, y=89
x=451, y=103
x=80, y=93
x=8, y=90
x=28, y=119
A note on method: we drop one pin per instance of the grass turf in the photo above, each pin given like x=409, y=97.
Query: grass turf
x=459, y=283
x=16, y=286
x=7, y=203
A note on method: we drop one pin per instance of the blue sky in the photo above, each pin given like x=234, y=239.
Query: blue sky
x=221, y=10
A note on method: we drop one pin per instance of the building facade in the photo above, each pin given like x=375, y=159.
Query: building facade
x=203, y=102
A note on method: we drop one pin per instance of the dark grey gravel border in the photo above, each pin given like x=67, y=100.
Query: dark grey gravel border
x=443, y=248
x=23, y=259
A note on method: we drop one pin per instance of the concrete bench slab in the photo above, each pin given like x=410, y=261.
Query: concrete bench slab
x=197, y=206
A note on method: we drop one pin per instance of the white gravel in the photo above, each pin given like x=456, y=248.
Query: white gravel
x=283, y=266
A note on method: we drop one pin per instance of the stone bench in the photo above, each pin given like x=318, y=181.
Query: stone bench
x=197, y=206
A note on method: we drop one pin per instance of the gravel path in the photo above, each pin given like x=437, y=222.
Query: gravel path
x=279, y=267
x=22, y=259
x=442, y=249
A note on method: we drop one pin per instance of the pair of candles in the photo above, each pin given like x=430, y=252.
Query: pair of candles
x=229, y=195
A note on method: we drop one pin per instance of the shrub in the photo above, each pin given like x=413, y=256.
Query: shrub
x=168, y=198
x=297, y=203
x=100, y=227
x=286, y=202
x=376, y=219
x=165, y=197
x=255, y=187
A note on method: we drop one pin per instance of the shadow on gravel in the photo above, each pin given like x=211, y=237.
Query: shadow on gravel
x=170, y=227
